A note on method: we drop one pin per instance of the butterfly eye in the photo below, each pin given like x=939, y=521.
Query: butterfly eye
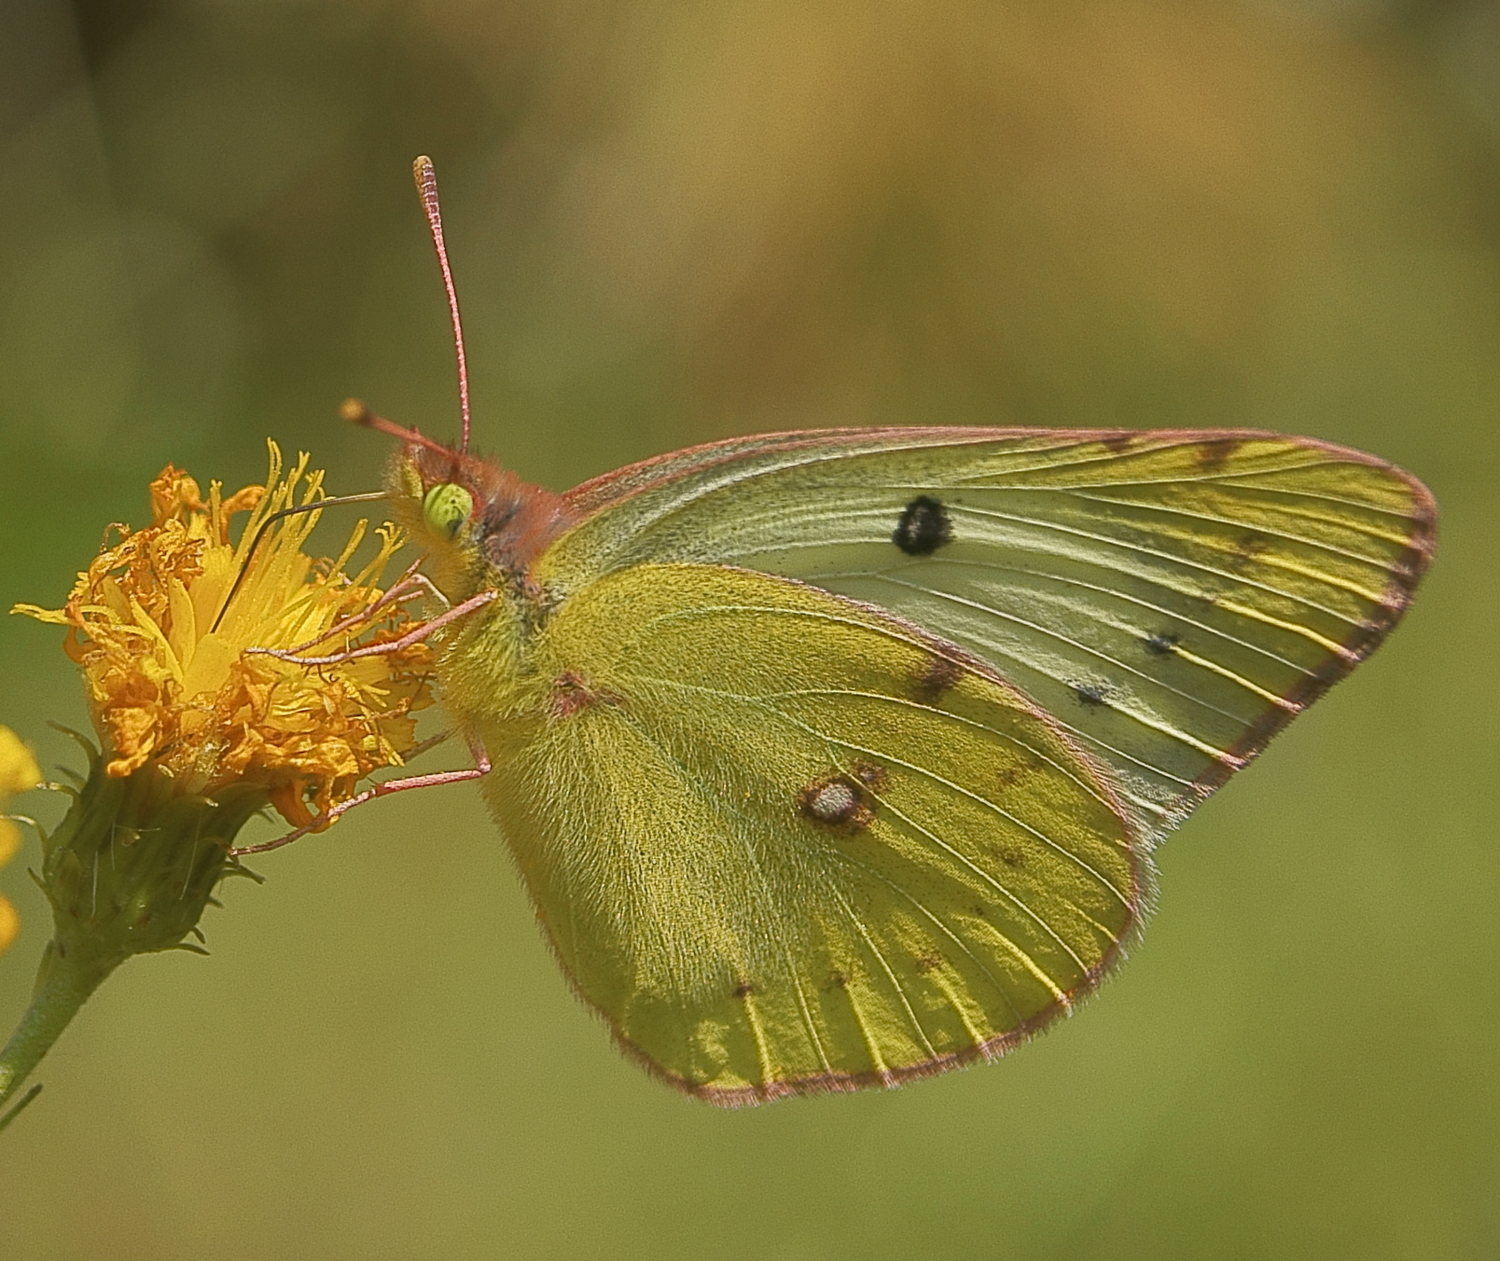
x=446, y=507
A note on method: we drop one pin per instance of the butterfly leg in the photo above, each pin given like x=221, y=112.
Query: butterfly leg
x=480, y=768
x=425, y=583
x=404, y=588
x=375, y=650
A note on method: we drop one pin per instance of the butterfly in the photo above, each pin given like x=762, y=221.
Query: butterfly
x=836, y=758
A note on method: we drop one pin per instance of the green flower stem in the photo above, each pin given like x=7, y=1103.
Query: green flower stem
x=64, y=983
x=128, y=871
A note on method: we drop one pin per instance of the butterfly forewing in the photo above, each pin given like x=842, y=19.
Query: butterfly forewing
x=1171, y=599
x=784, y=842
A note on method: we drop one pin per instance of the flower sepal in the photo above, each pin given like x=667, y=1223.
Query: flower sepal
x=134, y=863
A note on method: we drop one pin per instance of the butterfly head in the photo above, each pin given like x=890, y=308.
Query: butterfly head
x=481, y=525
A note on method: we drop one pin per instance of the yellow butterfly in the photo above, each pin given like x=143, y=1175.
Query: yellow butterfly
x=836, y=758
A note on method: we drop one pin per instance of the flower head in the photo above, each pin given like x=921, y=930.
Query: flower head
x=18, y=772
x=161, y=620
x=188, y=640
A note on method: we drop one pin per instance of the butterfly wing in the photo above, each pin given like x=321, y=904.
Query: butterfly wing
x=785, y=842
x=1172, y=598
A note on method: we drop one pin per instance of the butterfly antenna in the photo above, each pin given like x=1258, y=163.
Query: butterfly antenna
x=356, y=413
x=426, y=179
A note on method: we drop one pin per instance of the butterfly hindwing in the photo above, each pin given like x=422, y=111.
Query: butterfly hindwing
x=1171, y=598
x=786, y=842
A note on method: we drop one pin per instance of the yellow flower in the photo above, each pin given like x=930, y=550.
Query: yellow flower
x=186, y=638
x=18, y=772
x=161, y=621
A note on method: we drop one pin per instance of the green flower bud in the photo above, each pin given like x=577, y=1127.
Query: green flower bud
x=135, y=861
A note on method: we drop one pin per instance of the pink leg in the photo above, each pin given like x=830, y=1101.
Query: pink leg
x=481, y=767
x=395, y=645
x=423, y=581
x=402, y=589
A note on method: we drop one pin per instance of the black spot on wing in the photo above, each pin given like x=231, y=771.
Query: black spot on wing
x=924, y=526
x=937, y=675
x=1162, y=644
x=1090, y=694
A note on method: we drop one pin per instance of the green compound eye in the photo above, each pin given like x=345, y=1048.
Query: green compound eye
x=445, y=508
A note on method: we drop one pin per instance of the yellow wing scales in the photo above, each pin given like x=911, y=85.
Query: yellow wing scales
x=786, y=843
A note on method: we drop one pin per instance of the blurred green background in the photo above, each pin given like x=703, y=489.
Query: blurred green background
x=673, y=222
